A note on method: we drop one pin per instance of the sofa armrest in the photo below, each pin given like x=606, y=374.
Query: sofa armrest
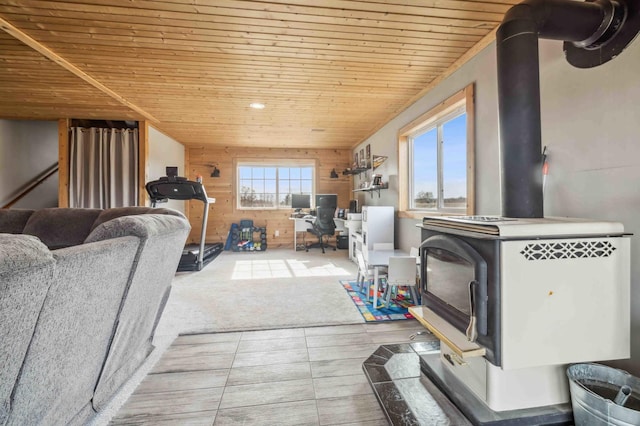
x=26, y=273
x=162, y=241
x=73, y=331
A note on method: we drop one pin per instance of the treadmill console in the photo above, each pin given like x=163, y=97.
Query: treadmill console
x=175, y=188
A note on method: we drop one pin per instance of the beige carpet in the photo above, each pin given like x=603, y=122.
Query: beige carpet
x=262, y=290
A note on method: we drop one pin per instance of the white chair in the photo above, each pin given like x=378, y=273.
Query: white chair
x=401, y=273
x=365, y=275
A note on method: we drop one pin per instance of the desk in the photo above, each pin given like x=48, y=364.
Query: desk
x=300, y=225
x=378, y=259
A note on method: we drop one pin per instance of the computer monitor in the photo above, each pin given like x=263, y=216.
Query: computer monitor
x=327, y=200
x=300, y=201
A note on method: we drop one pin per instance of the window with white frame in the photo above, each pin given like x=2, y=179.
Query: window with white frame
x=436, y=159
x=270, y=186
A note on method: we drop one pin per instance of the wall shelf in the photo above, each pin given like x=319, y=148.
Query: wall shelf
x=377, y=161
x=373, y=189
x=356, y=171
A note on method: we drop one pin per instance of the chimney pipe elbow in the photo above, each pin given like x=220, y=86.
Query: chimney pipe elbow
x=561, y=19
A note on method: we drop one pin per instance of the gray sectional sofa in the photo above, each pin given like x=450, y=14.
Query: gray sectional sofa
x=81, y=293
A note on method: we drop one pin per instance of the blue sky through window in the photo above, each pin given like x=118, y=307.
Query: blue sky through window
x=454, y=158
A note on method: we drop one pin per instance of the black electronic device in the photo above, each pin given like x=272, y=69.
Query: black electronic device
x=353, y=206
x=172, y=171
x=194, y=256
x=300, y=201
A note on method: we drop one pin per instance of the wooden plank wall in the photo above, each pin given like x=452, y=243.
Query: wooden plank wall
x=200, y=160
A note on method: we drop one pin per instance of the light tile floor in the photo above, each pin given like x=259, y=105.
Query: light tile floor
x=296, y=376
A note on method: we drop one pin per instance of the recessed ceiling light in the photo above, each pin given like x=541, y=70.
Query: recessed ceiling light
x=256, y=105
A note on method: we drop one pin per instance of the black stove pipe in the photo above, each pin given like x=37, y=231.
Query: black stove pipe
x=519, y=88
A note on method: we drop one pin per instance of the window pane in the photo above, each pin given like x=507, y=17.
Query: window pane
x=266, y=200
x=245, y=172
x=247, y=196
x=283, y=173
x=306, y=173
x=425, y=170
x=295, y=187
x=257, y=172
x=284, y=187
x=270, y=186
x=454, y=162
x=294, y=173
x=270, y=172
x=258, y=186
x=306, y=186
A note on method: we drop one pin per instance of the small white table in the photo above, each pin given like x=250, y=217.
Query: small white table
x=378, y=259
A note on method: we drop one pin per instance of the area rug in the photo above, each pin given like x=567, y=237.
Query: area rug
x=398, y=309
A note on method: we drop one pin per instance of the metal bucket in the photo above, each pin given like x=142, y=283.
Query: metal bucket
x=594, y=388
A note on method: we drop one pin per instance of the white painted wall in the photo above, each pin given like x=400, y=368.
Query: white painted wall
x=27, y=148
x=591, y=126
x=165, y=151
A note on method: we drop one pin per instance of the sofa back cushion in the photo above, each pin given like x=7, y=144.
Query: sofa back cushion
x=12, y=221
x=112, y=213
x=61, y=227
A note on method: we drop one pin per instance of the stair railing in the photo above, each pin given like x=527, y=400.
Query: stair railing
x=34, y=183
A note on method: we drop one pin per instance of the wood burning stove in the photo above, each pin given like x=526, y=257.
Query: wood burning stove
x=514, y=301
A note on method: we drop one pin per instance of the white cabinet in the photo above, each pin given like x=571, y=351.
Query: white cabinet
x=377, y=227
x=354, y=224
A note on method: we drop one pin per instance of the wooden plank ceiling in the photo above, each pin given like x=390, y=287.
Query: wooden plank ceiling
x=330, y=72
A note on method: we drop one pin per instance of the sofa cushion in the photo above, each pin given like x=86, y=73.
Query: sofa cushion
x=12, y=221
x=61, y=227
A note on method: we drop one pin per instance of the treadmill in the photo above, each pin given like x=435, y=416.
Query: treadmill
x=194, y=256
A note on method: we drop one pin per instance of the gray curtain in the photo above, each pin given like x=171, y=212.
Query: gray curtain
x=103, y=167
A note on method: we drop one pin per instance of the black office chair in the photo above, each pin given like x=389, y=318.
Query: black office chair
x=323, y=226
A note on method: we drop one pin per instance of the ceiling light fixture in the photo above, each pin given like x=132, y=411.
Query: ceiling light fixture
x=257, y=105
